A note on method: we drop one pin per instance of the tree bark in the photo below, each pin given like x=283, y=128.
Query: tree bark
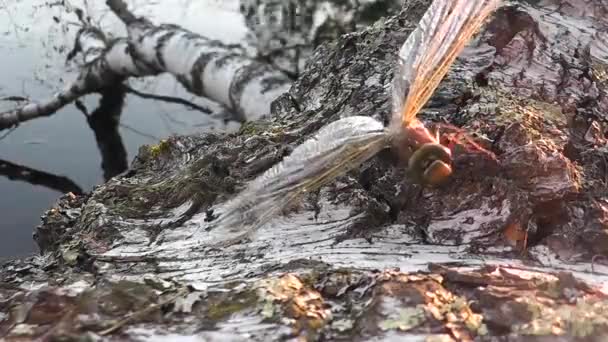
x=512, y=249
x=205, y=67
x=104, y=64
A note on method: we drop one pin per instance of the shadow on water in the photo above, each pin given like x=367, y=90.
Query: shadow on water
x=104, y=122
x=36, y=177
x=47, y=157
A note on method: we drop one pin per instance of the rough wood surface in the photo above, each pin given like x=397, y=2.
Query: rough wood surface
x=369, y=257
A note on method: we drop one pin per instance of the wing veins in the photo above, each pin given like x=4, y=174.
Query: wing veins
x=357, y=155
x=442, y=69
x=441, y=35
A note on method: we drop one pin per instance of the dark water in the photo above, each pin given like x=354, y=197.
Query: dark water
x=32, y=63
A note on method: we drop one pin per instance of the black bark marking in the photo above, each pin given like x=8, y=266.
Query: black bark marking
x=244, y=76
x=196, y=74
x=161, y=42
x=272, y=82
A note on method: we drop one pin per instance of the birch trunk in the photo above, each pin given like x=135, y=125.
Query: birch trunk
x=368, y=257
x=205, y=67
x=104, y=64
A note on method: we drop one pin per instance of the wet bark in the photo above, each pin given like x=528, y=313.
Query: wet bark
x=512, y=248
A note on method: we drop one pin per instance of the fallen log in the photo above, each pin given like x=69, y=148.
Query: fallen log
x=223, y=73
x=513, y=250
x=204, y=66
x=104, y=63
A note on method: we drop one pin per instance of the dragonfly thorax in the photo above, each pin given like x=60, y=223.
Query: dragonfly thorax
x=428, y=162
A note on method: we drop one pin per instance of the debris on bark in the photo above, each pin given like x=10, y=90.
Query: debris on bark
x=512, y=248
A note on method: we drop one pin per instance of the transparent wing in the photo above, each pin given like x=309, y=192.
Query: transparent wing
x=430, y=50
x=335, y=149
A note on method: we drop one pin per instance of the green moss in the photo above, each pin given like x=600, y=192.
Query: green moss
x=270, y=309
x=198, y=183
x=599, y=72
x=261, y=127
x=506, y=108
x=253, y=127
x=225, y=307
x=159, y=149
x=124, y=297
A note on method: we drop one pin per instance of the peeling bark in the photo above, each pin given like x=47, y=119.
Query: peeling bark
x=509, y=250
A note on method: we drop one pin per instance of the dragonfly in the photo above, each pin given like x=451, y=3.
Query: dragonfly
x=423, y=61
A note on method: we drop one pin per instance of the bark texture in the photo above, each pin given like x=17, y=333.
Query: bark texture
x=369, y=257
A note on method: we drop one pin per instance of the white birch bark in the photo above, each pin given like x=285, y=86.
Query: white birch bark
x=206, y=67
x=103, y=64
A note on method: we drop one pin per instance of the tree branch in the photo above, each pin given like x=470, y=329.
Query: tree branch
x=119, y=8
x=169, y=99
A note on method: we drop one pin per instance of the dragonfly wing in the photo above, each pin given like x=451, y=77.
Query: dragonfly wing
x=334, y=150
x=430, y=50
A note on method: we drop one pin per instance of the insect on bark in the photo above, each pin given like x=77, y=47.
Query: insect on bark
x=342, y=145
